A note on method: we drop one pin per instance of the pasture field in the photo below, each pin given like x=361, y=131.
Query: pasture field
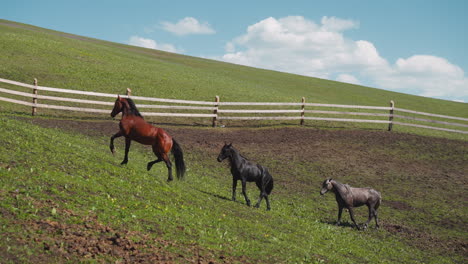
x=65, y=198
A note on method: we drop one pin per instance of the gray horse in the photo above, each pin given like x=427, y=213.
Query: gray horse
x=349, y=197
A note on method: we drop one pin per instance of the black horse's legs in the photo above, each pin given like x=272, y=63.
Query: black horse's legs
x=340, y=211
x=128, y=141
x=259, y=200
x=234, y=186
x=263, y=194
x=111, y=146
x=351, y=214
x=244, y=192
x=267, y=202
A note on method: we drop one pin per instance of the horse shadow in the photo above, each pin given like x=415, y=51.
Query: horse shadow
x=342, y=224
x=219, y=196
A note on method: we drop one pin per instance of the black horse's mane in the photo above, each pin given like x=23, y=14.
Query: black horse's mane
x=133, y=110
x=238, y=153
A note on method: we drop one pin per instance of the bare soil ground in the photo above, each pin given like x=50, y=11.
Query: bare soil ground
x=435, y=166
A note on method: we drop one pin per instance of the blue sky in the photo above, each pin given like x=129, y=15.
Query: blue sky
x=417, y=47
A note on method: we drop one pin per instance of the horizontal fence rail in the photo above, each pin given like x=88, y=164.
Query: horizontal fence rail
x=218, y=110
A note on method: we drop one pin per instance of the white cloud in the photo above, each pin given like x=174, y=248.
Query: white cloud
x=297, y=45
x=188, y=26
x=425, y=75
x=152, y=44
x=347, y=78
x=338, y=24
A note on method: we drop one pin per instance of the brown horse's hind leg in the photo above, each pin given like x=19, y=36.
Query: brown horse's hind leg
x=169, y=169
x=151, y=163
x=161, y=157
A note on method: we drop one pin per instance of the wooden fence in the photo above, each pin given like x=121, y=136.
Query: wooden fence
x=218, y=110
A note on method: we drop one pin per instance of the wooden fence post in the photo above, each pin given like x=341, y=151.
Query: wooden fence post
x=303, y=111
x=215, y=111
x=129, y=91
x=390, y=117
x=34, y=109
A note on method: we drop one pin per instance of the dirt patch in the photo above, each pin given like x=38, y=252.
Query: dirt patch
x=399, y=205
x=91, y=240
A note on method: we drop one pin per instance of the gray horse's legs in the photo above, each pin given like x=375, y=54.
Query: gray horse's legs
x=371, y=213
x=376, y=220
x=340, y=211
x=351, y=214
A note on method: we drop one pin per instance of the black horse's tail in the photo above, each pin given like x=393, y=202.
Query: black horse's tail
x=179, y=159
x=268, y=182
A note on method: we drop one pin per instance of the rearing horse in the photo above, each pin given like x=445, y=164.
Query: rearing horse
x=134, y=127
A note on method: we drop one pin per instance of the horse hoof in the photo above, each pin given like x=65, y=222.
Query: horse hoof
x=124, y=162
x=148, y=167
x=169, y=180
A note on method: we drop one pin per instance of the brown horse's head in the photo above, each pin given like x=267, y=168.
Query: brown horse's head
x=118, y=106
x=326, y=186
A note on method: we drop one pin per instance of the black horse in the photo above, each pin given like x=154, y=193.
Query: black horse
x=349, y=197
x=247, y=171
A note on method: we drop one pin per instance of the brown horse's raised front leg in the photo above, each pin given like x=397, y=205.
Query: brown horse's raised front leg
x=111, y=146
x=128, y=141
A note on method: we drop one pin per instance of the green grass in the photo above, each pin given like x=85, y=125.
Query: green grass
x=47, y=173
x=52, y=175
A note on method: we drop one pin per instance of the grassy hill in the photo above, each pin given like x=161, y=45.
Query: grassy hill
x=65, y=198
x=69, y=61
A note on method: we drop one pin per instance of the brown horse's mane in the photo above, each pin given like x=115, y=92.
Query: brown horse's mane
x=133, y=110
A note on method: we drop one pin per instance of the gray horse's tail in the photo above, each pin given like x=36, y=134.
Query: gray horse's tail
x=378, y=202
x=179, y=159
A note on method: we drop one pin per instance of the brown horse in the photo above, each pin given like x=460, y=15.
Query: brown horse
x=134, y=127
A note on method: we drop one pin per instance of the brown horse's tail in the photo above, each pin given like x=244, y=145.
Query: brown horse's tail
x=179, y=159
